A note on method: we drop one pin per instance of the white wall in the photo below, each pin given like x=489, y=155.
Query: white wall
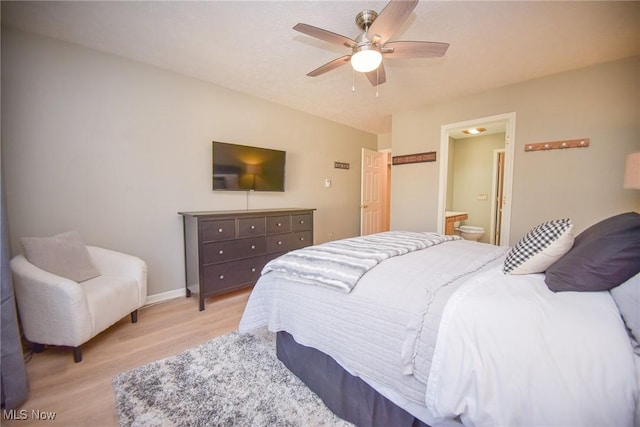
x=115, y=149
x=600, y=102
x=384, y=141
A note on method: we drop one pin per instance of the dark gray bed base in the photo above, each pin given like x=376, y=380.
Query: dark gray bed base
x=347, y=396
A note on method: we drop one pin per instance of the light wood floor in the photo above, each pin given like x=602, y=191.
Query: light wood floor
x=81, y=394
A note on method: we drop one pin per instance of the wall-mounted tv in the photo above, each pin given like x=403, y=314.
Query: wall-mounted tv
x=244, y=168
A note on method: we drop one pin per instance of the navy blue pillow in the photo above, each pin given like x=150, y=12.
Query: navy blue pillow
x=603, y=256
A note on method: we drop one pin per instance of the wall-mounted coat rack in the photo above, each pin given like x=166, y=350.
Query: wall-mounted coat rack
x=555, y=145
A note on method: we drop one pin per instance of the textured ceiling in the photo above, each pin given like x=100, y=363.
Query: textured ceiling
x=250, y=46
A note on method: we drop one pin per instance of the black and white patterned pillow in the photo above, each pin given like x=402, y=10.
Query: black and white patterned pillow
x=540, y=247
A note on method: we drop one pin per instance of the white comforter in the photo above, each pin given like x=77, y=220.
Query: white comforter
x=508, y=351
x=512, y=353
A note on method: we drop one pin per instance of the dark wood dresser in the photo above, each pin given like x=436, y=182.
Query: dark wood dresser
x=226, y=250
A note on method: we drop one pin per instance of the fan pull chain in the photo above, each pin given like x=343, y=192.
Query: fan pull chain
x=353, y=80
x=377, y=80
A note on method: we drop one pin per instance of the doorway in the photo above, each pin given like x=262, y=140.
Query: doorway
x=501, y=183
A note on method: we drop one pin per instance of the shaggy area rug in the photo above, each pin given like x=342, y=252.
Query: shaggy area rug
x=233, y=380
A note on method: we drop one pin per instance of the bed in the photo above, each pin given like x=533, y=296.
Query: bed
x=405, y=328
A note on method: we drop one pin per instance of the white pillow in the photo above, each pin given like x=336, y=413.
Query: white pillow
x=539, y=248
x=627, y=298
x=64, y=254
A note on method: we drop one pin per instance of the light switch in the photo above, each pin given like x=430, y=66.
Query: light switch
x=327, y=183
x=483, y=196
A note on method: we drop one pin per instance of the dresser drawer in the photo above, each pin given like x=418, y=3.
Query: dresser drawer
x=289, y=242
x=223, y=277
x=216, y=230
x=301, y=239
x=301, y=222
x=278, y=243
x=233, y=249
x=248, y=227
x=278, y=224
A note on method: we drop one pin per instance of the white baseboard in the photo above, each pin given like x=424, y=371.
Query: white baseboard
x=165, y=296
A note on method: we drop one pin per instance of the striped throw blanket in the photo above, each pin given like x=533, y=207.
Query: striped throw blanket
x=341, y=263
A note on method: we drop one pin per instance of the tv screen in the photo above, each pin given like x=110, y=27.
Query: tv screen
x=244, y=168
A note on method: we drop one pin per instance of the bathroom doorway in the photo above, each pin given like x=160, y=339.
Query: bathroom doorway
x=476, y=175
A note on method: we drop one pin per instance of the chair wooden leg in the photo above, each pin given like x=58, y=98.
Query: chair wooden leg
x=77, y=354
x=38, y=348
x=134, y=316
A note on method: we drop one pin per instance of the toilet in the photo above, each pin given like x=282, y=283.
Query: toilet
x=469, y=232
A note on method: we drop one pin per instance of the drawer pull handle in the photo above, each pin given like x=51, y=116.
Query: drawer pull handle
x=253, y=270
x=279, y=242
x=220, y=251
x=302, y=239
x=253, y=246
x=302, y=221
x=253, y=227
x=222, y=277
x=220, y=230
x=279, y=224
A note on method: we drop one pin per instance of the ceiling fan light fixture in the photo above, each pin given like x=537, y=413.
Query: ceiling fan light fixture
x=368, y=47
x=366, y=58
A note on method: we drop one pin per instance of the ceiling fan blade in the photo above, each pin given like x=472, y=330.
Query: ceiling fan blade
x=389, y=20
x=415, y=49
x=325, y=35
x=377, y=76
x=332, y=65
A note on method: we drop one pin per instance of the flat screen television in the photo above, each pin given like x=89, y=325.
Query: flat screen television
x=244, y=168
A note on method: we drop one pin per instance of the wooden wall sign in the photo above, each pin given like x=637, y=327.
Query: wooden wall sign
x=414, y=158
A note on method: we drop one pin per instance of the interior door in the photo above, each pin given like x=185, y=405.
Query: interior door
x=496, y=221
x=371, y=191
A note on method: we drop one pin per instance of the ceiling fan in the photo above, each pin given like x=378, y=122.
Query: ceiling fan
x=368, y=49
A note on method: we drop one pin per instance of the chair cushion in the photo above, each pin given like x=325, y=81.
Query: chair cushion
x=64, y=254
x=110, y=298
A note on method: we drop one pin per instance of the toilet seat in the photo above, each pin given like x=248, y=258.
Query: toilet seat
x=470, y=232
x=471, y=229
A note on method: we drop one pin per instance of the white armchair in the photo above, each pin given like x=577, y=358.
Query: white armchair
x=58, y=311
